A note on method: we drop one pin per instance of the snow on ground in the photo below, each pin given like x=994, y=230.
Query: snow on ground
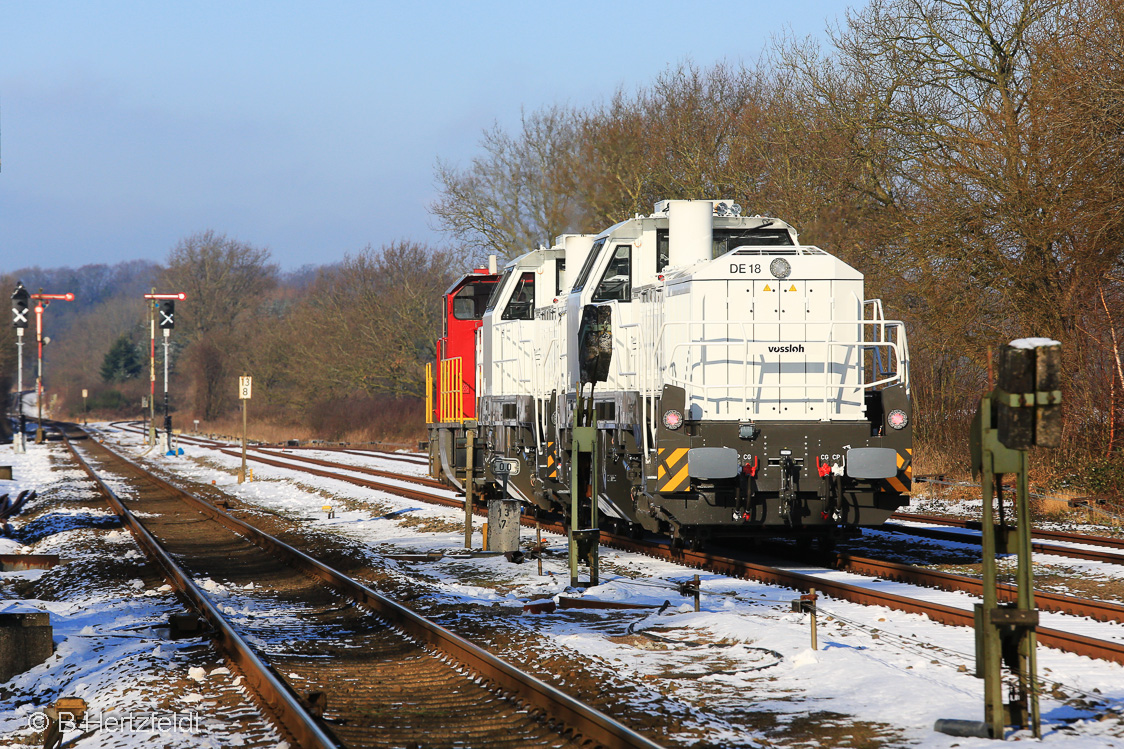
x=1042, y=562
x=744, y=651
x=111, y=642
x=962, y=499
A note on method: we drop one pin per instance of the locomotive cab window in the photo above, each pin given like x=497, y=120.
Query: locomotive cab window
x=663, y=249
x=470, y=302
x=494, y=298
x=616, y=283
x=727, y=239
x=522, y=303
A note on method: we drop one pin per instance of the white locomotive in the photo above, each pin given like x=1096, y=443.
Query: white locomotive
x=739, y=382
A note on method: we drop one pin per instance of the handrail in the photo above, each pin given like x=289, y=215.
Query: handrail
x=450, y=400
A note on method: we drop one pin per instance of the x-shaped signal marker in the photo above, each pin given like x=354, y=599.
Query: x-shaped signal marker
x=166, y=319
x=21, y=315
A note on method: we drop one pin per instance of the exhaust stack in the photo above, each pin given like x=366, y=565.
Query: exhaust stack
x=577, y=247
x=691, y=231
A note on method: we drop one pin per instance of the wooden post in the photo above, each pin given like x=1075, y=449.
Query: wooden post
x=242, y=472
x=244, y=389
x=812, y=592
x=469, y=476
x=698, y=584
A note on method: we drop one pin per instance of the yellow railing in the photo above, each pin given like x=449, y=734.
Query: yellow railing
x=451, y=404
x=449, y=391
x=429, y=393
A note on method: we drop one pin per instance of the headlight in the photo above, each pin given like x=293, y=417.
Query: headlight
x=780, y=268
x=897, y=419
x=673, y=419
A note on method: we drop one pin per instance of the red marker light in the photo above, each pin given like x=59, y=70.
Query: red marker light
x=69, y=297
x=673, y=419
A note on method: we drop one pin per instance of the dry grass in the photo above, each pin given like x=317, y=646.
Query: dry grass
x=932, y=458
x=387, y=421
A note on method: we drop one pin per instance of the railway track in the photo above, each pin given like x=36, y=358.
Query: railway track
x=973, y=525
x=935, y=533
x=337, y=663
x=411, y=458
x=743, y=568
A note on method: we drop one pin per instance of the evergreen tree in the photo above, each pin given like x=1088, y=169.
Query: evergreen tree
x=122, y=362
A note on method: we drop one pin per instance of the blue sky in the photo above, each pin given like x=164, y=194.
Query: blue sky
x=310, y=129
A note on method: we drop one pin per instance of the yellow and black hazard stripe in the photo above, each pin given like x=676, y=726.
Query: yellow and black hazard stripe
x=551, y=461
x=671, y=472
x=904, y=480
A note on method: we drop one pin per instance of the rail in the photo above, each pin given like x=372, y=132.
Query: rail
x=583, y=719
x=1062, y=640
x=273, y=692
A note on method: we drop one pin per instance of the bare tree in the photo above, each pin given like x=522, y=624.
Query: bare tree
x=372, y=321
x=223, y=279
x=516, y=195
x=221, y=276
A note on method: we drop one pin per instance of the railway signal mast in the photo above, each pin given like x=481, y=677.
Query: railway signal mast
x=20, y=312
x=44, y=300
x=162, y=313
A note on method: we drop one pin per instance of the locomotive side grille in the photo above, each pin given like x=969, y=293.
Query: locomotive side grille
x=671, y=472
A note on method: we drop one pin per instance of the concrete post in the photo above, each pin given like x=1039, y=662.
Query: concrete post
x=503, y=525
x=25, y=640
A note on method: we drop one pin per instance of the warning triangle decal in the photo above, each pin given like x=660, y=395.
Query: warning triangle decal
x=767, y=287
x=793, y=287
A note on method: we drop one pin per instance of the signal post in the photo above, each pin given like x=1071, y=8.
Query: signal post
x=1023, y=411
x=44, y=300
x=164, y=308
x=20, y=312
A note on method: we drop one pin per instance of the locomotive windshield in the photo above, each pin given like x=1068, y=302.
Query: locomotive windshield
x=470, y=302
x=522, y=304
x=494, y=298
x=727, y=239
x=724, y=241
x=616, y=283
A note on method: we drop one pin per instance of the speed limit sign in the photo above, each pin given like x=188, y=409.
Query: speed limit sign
x=244, y=388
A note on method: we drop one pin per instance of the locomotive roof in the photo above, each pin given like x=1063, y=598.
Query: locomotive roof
x=720, y=222
x=475, y=273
